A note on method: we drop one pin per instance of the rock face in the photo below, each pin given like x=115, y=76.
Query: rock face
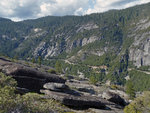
x=88, y=26
x=86, y=41
x=112, y=97
x=140, y=49
x=28, y=77
x=81, y=102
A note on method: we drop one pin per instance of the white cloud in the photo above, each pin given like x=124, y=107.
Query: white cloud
x=79, y=11
x=19, y=8
x=25, y=9
x=62, y=7
x=105, y=5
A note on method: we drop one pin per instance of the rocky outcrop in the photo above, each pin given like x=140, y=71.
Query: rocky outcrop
x=122, y=94
x=55, y=87
x=78, y=102
x=89, y=40
x=81, y=86
x=140, y=49
x=81, y=101
x=113, y=97
x=39, y=49
x=82, y=42
x=52, y=50
x=46, y=50
x=79, y=95
x=28, y=77
x=88, y=26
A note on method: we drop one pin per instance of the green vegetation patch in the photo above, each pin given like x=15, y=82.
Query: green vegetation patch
x=141, y=81
x=140, y=104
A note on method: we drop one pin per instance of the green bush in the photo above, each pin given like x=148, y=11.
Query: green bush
x=140, y=80
x=34, y=103
x=8, y=99
x=53, y=71
x=140, y=104
x=93, y=79
x=7, y=81
x=114, y=87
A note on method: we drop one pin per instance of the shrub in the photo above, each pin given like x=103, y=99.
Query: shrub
x=93, y=79
x=8, y=99
x=140, y=104
x=114, y=87
x=7, y=81
x=53, y=71
x=33, y=102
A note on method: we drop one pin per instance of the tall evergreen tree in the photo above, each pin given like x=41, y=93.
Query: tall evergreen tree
x=58, y=67
x=39, y=60
x=33, y=60
x=130, y=89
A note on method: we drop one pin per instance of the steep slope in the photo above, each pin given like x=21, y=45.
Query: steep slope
x=110, y=41
x=51, y=36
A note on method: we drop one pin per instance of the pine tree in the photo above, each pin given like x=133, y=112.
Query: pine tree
x=33, y=60
x=58, y=67
x=130, y=89
x=39, y=60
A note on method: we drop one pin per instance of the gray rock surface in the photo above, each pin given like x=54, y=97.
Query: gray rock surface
x=140, y=49
x=79, y=102
x=113, y=97
x=88, y=26
x=82, y=101
x=91, y=110
x=55, y=86
x=82, y=86
x=28, y=77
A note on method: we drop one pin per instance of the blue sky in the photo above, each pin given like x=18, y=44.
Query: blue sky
x=30, y=9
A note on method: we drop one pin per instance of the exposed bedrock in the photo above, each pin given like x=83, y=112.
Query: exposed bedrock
x=78, y=102
x=28, y=77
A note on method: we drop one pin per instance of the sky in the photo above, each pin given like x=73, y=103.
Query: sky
x=18, y=10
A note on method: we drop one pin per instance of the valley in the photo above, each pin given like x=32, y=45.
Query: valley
x=100, y=62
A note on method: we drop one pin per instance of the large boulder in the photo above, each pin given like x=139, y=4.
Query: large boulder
x=78, y=102
x=28, y=77
x=113, y=97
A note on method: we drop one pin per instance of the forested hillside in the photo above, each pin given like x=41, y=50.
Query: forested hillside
x=105, y=45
